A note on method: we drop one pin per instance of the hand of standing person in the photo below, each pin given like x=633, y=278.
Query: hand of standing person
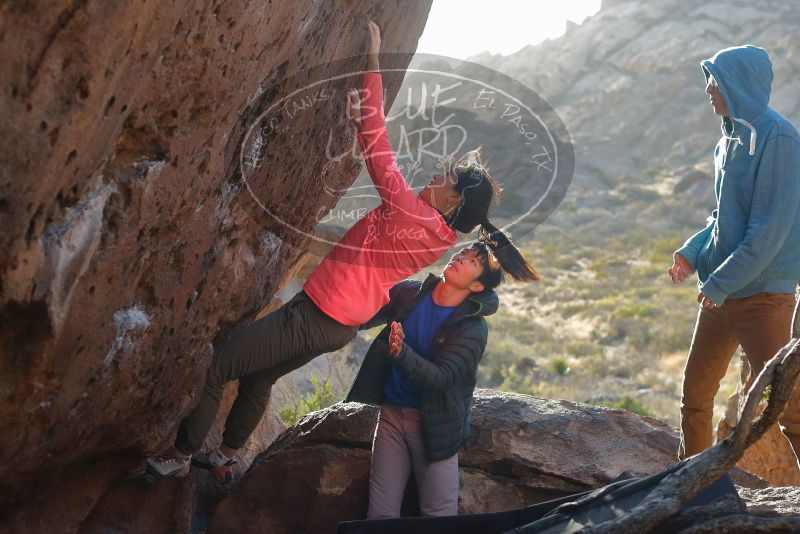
x=681, y=269
x=705, y=302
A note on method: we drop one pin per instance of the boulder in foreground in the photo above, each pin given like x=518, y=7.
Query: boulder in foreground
x=521, y=450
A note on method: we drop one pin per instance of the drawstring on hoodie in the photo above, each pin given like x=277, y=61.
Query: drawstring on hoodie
x=752, y=135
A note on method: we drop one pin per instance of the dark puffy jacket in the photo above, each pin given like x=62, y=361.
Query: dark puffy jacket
x=447, y=379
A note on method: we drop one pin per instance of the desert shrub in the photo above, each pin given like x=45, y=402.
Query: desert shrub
x=321, y=396
x=559, y=366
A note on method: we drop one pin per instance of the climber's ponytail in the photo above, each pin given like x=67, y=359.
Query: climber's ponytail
x=507, y=255
x=478, y=190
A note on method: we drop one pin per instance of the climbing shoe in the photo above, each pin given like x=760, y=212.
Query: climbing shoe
x=216, y=462
x=169, y=463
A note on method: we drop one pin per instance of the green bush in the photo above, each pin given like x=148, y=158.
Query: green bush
x=559, y=366
x=320, y=397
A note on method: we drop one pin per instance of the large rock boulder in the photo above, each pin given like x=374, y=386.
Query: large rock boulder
x=129, y=241
x=521, y=450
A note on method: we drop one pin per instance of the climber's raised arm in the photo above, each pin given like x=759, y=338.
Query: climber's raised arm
x=366, y=111
x=374, y=47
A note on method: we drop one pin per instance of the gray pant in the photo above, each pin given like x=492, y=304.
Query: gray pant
x=396, y=450
x=258, y=355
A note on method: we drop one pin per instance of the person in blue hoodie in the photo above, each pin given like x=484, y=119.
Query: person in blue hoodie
x=747, y=258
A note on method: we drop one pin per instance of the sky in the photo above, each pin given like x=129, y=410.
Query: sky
x=462, y=28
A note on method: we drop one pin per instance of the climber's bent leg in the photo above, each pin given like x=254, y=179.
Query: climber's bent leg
x=270, y=347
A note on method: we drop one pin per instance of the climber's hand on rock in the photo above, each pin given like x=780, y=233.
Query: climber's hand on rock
x=681, y=269
x=374, y=47
x=374, y=38
x=354, y=108
x=396, y=337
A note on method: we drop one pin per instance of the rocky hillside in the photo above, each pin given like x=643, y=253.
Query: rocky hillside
x=628, y=84
x=129, y=243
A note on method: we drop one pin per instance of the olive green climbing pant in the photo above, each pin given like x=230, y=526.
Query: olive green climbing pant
x=257, y=356
x=761, y=324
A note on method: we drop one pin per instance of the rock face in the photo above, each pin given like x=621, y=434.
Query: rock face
x=521, y=450
x=129, y=243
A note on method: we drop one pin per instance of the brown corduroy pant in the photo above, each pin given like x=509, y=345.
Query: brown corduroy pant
x=761, y=325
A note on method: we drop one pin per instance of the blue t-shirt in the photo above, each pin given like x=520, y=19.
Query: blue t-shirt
x=420, y=328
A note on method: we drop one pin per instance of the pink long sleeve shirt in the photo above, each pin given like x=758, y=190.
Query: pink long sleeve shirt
x=392, y=242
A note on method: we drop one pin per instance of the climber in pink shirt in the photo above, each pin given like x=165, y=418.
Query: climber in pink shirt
x=402, y=236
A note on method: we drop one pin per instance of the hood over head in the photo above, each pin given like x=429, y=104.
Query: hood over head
x=744, y=75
